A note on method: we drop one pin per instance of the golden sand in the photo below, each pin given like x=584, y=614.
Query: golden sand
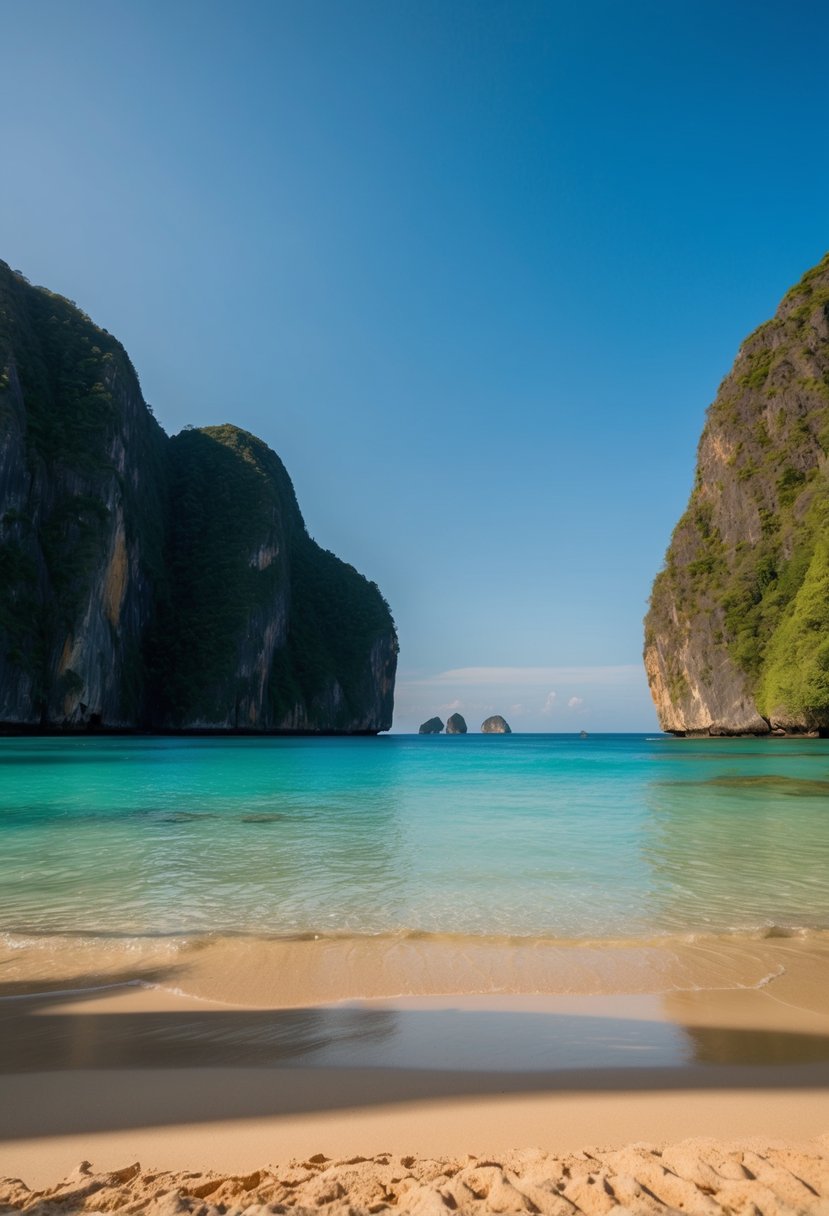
x=479, y=1101
x=694, y=1176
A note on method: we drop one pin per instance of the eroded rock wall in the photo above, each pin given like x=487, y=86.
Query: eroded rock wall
x=81, y=516
x=724, y=652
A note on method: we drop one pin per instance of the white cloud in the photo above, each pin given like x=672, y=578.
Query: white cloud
x=575, y=703
x=549, y=703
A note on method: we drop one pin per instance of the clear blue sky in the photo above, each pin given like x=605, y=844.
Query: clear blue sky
x=474, y=270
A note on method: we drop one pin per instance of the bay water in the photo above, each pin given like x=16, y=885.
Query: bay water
x=614, y=837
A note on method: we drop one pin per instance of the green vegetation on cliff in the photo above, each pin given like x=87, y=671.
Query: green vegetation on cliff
x=732, y=617
x=65, y=365
x=796, y=671
x=327, y=591
x=221, y=506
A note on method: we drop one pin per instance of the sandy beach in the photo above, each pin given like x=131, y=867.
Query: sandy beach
x=696, y=1176
x=700, y=1100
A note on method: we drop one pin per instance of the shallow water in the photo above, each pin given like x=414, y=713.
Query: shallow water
x=541, y=836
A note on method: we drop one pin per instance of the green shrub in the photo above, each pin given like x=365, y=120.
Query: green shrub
x=796, y=675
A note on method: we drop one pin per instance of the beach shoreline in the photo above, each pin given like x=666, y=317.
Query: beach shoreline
x=275, y=972
x=178, y=1083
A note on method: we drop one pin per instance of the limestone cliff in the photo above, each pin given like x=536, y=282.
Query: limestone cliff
x=262, y=629
x=81, y=496
x=737, y=635
x=156, y=583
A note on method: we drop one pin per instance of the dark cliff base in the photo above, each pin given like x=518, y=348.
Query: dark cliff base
x=21, y=730
x=770, y=734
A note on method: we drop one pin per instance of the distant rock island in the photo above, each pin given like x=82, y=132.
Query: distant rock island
x=737, y=636
x=456, y=725
x=431, y=727
x=156, y=583
x=496, y=725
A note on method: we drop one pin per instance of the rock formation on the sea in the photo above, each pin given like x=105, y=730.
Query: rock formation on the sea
x=737, y=635
x=496, y=725
x=455, y=725
x=433, y=726
x=158, y=583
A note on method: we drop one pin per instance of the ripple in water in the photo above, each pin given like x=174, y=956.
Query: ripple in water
x=540, y=837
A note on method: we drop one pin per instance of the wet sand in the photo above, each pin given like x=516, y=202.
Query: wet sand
x=179, y=1082
x=282, y=972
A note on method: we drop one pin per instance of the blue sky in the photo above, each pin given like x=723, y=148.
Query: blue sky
x=474, y=270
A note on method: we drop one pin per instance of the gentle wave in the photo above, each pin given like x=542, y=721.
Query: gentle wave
x=271, y=971
x=175, y=943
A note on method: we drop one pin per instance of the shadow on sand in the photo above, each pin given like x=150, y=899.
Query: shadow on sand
x=92, y=1069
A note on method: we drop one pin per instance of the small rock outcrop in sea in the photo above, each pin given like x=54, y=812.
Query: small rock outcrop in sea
x=157, y=583
x=433, y=727
x=455, y=725
x=496, y=725
x=737, y=635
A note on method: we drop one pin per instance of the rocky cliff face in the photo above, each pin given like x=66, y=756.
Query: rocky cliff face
x=496, y=725
x=262, y=629
x=81, y=494
x=737, y=635
x=147, y=582
x=433, y=726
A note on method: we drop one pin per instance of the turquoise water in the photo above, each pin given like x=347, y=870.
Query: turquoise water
x=617, y=836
